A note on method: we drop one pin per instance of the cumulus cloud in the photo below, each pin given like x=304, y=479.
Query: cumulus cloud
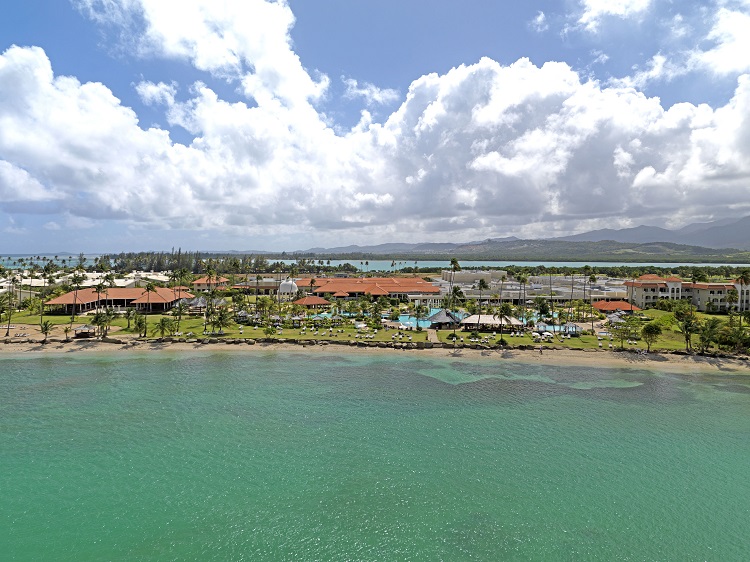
x=729, y=40
x=594, y=11
x=156, y=94
x=369, y=92
x=482, y=150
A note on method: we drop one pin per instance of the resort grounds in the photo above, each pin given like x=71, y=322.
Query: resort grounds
x=668, y=354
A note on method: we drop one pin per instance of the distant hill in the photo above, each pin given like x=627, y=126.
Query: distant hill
x=542, y=250
x=396, y=248
x=728, y=233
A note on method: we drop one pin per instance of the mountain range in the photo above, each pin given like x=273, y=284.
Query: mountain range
x=728, y=233
x=723, y=234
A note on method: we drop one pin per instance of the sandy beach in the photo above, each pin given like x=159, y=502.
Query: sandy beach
x=665, y=362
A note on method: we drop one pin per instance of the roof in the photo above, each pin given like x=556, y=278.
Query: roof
x=133, y=294
x=376, y=286
x=311, y=301
x=443, y=316
x=161, y=295
x=491, y=320
x=213, y=281
x=611, y=306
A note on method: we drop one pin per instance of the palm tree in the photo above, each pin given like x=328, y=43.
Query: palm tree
x=592, y=280
x=222, y=319
x=150, y=288
x=165, y=326
x=505, y=310
x=75, y=281
x=732, y=298
x=99, y=288
x=708, y=333
x=140, y=324
x=482, y=286
x=129, y=315
x=744, y=280
x=8, y=301
x=522, y=280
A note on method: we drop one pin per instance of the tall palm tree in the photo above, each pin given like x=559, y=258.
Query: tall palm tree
x=482, y=286
x=592, y=280
x=522, y=280
x=7, y=300
x=505, y=310
x=150, y=288
x=99, y=288
x=455, y=266
x=744, y=280
x=75, y=281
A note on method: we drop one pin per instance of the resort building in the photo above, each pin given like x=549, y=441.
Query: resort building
x=206, y=283
x=413, y=289
x=118, y=298
x=646, y=290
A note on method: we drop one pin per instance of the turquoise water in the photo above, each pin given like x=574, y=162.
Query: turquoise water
x=272, y=456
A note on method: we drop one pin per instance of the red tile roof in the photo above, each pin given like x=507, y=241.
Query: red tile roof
x=214, y=281
x=611, y=306
x=375, y=286
x=133, y=294
x=312, y=301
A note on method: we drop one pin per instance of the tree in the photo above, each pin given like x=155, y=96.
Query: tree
x=165, y=326
x=732, y=298
x=708, y=333
x=129, y=315
x=625, y=330
x=503, y=312
x=650, y=334
x=522, y=280
x=140, y=324
x=482, y=286
x=66, y=330
x=684, y=314
x=75, y=281
x=744, y=280
x=45, y=327
x=420, y=311
x=222, y=319
x=150, y=288
x=7, y=300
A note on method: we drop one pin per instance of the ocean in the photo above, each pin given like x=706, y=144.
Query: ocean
x=267, y=455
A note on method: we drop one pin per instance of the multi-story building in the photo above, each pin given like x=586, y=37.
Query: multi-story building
x=646, y=290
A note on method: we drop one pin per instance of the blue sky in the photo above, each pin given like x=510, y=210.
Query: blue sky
x=247, y=124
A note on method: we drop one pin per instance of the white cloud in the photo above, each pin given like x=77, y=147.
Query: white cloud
x=730, y=43
x=156, y=94
x=369, y=92
x=480, y=150
x=539, y=23
x=594, y=11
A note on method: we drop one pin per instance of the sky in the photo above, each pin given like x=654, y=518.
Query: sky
x=130, y=125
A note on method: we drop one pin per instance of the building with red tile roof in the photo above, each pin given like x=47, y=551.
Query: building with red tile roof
x=311, y=301
x=392, y=287
x=614, y=306
x=206, y=284
x=646, y=290
x=119, y=298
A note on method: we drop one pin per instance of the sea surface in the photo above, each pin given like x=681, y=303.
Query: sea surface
x=287, y=456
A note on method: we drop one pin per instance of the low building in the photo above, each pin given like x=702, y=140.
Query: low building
x=208, y=283
x=119, y=299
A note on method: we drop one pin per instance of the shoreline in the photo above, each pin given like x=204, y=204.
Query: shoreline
x=666, y=362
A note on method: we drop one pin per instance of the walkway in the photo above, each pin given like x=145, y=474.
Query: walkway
x=432, y=336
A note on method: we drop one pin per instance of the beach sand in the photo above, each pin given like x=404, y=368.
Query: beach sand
x=665, y=362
